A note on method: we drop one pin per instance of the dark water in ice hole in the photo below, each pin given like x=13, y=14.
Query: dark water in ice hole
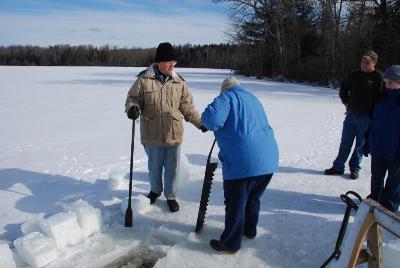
x=137, y=259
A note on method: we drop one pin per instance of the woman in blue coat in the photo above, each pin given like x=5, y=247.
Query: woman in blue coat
x=249, y=157
x=385, y=144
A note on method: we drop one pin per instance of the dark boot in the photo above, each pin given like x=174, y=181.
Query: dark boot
x=354, y=174
x=153, y=197
x=332, y=171
x=173, y=205
x=216, y=245
x=249, y=236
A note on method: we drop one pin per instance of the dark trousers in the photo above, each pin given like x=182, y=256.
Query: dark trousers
x=242, y=207
x=388, y=194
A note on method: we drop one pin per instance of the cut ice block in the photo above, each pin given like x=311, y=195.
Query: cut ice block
x=63, y=227
x=89, y=217
x=36, y=249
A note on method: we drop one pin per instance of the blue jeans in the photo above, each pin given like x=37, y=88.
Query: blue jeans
x=242, y=207
x=354, y=127
x=388, y=195
x=169, y=159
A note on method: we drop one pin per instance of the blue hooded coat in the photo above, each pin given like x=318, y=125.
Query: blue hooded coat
x=385, y=132
x=244, y=136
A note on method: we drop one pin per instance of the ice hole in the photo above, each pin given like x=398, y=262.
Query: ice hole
x=144, y=258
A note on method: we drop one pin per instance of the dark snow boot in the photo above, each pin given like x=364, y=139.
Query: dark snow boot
x=153, y=197
x=354, y=174
x=249, y=236
x=216, y=245
x=173, y=205
x=333, y=171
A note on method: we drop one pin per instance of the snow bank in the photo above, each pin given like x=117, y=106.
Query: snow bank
x=391, y=251
x=64, y=228
x=65, y=158
x=116, y=180
x=36, y=249
x=6, y=258
x=31, y=225
x=139, y=203
x=183, y=173
x=89, y=218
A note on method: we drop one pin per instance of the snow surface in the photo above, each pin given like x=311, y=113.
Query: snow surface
x=6, y=257
x=65, y=137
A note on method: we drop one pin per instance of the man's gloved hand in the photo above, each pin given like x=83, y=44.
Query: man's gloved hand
x=366, y=143
x=202, y=128
x=366, y=149
x=133, y=112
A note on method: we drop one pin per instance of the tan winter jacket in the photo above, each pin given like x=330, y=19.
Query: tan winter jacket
x=162, y=107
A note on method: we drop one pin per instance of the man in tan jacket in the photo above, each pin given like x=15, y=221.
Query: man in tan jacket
x=162, y=98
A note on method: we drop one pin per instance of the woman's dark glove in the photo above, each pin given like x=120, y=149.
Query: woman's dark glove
x=202, y=128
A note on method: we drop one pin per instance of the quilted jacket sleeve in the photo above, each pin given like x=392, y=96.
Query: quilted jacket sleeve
x=188, y=109
x=216, y=113
x=134, y=97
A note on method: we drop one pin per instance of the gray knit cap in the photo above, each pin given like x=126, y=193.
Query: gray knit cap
x=393, y=73
x=228, y=83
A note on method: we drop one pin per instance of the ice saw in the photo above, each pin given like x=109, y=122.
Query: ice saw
x=205, y=192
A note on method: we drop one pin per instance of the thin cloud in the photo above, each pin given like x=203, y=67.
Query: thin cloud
x=95, y=29
x=139, y=29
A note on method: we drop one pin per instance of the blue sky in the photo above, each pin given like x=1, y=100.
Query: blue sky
x=122, y=23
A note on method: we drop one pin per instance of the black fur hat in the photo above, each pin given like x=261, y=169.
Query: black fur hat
x=165, y=52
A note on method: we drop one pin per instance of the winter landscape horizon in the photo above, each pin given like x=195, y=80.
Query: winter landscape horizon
x=64, y=164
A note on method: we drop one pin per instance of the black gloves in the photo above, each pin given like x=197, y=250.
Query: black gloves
x=366, y=149
x=202, y=128
x=133, y=112
x=366, y=144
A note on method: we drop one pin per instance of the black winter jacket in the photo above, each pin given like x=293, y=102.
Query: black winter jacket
x=361, y=91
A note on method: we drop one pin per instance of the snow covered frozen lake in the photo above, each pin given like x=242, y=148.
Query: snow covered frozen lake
x=64, y=137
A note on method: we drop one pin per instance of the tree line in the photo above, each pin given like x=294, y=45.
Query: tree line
x=207, y=56
x=318, y=41
x=313, y=40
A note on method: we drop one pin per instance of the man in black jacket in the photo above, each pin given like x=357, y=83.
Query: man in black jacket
x=359, y=92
